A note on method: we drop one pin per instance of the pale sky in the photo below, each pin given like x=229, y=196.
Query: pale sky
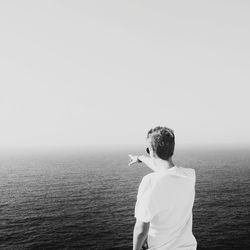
x=77, y=73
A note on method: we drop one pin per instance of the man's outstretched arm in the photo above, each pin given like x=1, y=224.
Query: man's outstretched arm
x=140, y=234
x=144, y=159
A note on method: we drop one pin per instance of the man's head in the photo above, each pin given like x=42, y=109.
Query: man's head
x=161, y=141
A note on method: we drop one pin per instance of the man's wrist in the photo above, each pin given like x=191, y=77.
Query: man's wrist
x=138, y=159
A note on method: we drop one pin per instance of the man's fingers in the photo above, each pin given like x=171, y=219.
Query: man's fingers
x=132, y=162
x=133, y=159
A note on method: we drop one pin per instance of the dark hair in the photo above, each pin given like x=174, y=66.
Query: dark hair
x=162, y=141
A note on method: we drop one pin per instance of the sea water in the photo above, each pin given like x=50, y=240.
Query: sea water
x=85, y=199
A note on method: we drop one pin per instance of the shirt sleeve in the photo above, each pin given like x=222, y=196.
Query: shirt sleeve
x=144, y=207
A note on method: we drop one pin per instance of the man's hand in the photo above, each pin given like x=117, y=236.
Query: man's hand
x=148, y=161
x=133, y=159
x=145, y=245
x=140, y=234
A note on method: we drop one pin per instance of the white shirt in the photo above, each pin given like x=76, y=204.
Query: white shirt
x=165, y=199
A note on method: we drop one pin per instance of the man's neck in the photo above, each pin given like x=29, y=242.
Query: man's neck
x=163, y=164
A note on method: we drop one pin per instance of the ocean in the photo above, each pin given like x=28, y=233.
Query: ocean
x=84, y=199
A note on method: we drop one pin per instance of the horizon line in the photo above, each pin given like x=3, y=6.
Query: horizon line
x=120, y=146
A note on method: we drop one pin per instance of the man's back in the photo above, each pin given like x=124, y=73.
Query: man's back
x=165, y=199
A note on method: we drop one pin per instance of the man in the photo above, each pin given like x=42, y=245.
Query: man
x=165, y=197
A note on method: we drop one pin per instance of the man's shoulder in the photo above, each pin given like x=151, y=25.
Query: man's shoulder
x=148, y=180
x=190, y=172
x=151, y=178
x=145, y=185
x=148, y=177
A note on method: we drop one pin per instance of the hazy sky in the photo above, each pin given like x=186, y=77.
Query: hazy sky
x=105, y=72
